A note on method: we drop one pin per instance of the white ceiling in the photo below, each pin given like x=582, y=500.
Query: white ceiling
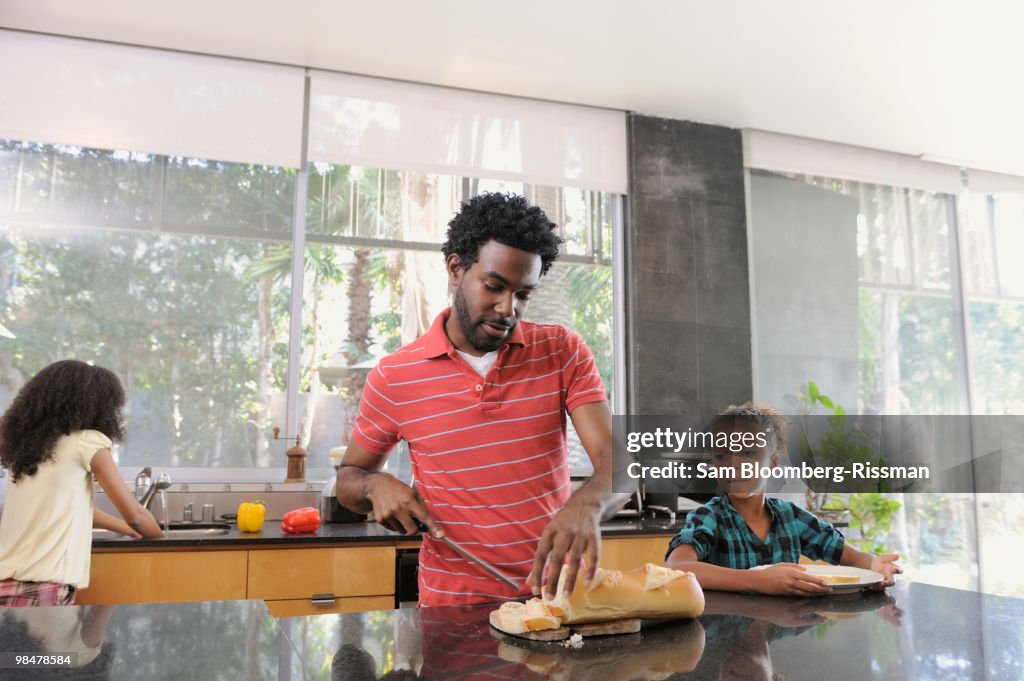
x=935, y=77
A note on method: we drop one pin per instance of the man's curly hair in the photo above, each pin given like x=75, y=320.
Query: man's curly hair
x=65, y=397
x=506, y=218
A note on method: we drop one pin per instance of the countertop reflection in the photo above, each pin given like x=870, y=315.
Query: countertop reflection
x=911, y=631
x=152, y=641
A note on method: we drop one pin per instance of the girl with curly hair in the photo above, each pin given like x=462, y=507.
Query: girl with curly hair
x=55, y=439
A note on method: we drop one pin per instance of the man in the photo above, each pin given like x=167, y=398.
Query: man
x=481, y=399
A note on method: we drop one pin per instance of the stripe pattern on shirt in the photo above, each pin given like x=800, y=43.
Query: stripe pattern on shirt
x=488, y=453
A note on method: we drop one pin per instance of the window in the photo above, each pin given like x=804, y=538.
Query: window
x=994, y=296
x=879, y=272
x=375, y=280
x=154, y=267
x=124, y=241
x=175, y=273
x=857, y=287
x=994, y=291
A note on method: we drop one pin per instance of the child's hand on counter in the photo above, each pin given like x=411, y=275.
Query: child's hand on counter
x=886, y=566
x=787, y=579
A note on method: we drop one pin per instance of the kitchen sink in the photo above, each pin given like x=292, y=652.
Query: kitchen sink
x=177, y=530
x=196, y=530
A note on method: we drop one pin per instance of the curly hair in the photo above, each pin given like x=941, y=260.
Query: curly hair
x=506, y=218
x=65, y=397
x=767, y=419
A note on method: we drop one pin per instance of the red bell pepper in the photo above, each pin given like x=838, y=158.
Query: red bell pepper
x=301, y=520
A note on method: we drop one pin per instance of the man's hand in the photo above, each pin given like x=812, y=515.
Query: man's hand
x=398, y=507
x=787, y=579
x=573, y=533
x=887, y=567
x=362, y=487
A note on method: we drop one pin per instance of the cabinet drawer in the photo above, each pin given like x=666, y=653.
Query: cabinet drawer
x=155, y=577
x=286, y=574
x=300, y=607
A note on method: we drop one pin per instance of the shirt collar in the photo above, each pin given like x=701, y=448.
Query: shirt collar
x=437, y=344
x=773, y=507
x=769, y=503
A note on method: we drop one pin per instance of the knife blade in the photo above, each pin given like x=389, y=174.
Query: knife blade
x=470, y=556
x=495, y=572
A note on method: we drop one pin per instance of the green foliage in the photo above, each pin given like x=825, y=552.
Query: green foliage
x=871, y=514
x=159, y=268
x=387, y=327
x=171, y=312
x=590, y=289
x=997, y=345
x=937, y=532
x=926, y=374
x=840, y=446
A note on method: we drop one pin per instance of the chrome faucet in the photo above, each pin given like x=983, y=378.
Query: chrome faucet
x=143, y=481
x=655, y=509
x=163, y=482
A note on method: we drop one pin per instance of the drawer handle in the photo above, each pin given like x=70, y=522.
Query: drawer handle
x=322, y=599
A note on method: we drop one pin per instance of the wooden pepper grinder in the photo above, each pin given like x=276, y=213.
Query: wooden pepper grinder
x=296, y=459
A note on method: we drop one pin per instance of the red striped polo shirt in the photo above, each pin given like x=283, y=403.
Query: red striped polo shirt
x=489, y=455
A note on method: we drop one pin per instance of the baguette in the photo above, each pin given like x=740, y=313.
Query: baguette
x=649, y=592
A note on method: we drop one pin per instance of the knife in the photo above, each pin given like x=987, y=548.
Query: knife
x=482, y=563
x=468, y=555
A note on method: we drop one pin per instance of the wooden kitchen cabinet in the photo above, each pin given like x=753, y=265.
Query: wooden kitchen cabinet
x=345, y=578
x=300, y=607
x=626, y=553
x=165, y=576
x=351, y=579
x=348, y=574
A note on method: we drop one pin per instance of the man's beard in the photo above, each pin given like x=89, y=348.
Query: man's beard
x=479, y=339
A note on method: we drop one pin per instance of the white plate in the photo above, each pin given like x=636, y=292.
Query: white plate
x=865, y=578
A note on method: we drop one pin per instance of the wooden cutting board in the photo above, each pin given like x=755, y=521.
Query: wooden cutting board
x=627, y=626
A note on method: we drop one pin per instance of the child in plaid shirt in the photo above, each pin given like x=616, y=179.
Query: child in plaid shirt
x=742, y=528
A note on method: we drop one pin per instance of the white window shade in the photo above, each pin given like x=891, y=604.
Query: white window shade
x=65, y=91
x=985, y=182
x=387, y=124
x=788, y=154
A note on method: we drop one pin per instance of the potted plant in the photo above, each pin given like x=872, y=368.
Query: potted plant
x=867, y=511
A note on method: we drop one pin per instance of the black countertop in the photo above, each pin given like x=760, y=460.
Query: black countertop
x=345, y=533
x=913, y=632
x=152, y=641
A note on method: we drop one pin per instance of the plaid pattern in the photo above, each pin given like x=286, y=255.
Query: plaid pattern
x=15, y=594
x=720, y=536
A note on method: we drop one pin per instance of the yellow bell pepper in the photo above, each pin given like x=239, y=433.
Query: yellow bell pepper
x=251, y=516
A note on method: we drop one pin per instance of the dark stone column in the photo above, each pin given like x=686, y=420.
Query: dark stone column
x=688, y=297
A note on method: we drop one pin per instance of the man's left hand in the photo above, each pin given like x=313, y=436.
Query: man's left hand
x=574, y=533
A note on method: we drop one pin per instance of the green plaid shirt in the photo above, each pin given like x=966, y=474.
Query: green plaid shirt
x=720, y=536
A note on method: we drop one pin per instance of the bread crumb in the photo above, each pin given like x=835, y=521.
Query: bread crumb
x=574, y=641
